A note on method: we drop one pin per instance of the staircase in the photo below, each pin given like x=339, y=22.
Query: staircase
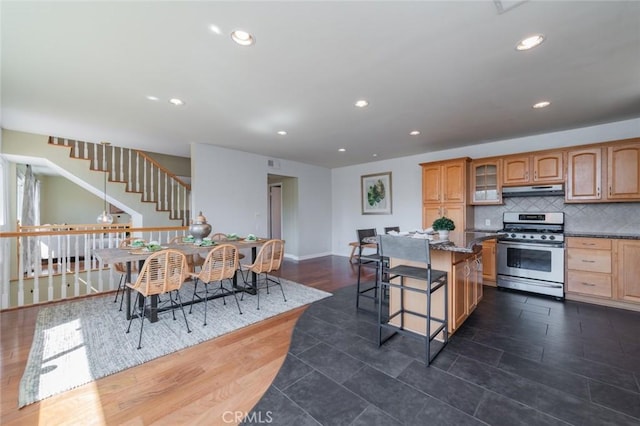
x=139, y=173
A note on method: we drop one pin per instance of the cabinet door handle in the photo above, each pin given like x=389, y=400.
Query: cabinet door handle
x=526, y=175
x=598, y=192
x=535, y=175
x=609, y=190
x=588, y=284
x=588, y=261
x=588, y=244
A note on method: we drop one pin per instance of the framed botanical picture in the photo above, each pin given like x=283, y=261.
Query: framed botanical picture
x=376, y=193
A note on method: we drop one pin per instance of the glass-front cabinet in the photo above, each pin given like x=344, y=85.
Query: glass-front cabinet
x=485, y=181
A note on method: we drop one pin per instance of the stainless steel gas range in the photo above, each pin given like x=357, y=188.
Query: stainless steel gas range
x=530, y=253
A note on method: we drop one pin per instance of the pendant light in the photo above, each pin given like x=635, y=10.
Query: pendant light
x=105, y=218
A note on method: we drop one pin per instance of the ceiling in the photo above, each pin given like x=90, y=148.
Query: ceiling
x=83, y=70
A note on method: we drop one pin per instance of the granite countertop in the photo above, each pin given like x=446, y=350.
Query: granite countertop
x=603, y=234
x=462, y=242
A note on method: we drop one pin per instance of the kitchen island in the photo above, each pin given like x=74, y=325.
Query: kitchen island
x=461, y=257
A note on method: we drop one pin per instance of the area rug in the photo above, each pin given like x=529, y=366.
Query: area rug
x=77, y=342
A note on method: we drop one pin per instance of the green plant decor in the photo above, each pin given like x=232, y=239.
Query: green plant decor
x=443, y=224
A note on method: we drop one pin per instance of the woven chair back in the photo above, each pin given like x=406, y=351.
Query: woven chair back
x=122, y=267
x=221, y=263
x=269, y=257
x=162, y=272
x=193, y=260
x=219, y=236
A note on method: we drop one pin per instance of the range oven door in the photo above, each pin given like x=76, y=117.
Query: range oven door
x=531, y=267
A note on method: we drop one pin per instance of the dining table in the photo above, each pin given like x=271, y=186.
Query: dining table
x=129, y=255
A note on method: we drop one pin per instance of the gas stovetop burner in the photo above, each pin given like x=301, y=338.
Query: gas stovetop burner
x=533, y=227
x=534, y=237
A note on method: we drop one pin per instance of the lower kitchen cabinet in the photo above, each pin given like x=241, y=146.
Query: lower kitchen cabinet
x=601, y=269
x=589, y=266
x=489, y=262
x=467, y=288
x=628, y=277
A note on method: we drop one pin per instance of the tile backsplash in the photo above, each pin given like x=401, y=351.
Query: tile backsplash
x=599, y=217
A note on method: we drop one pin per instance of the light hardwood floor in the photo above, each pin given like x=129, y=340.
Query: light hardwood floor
x=203, y=385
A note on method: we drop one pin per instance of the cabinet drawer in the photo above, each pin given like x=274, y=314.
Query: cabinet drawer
x=589, y=243
x=589, y=283
x=589, y=260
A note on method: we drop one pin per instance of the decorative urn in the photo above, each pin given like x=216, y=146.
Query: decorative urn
x=199, y=228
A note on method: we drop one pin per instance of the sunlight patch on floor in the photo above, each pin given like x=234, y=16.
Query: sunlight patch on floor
x=64, y=352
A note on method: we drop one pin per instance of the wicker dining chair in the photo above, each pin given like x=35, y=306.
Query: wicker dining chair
x=193, y=260
x=220, y=265
x=268, y=260
x=221, y=236
x=121, y=268
x=163, y=272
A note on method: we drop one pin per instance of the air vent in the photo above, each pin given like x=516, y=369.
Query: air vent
x=274, y=164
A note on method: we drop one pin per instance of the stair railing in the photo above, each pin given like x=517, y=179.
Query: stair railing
x=141, y=174
x=53, y=262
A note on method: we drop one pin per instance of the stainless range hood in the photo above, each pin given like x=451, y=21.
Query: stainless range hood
x=532, y=190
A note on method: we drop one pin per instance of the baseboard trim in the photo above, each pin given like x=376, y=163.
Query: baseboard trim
x=307, y=257
x=602, y=302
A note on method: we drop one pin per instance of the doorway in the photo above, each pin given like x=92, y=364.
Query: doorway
x=275, y=211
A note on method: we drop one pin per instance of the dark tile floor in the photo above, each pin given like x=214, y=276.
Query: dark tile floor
x=518, y=360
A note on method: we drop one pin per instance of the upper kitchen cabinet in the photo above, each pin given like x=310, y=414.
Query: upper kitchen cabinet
x=486, y=184
x=516, y=170
x=542, y=167
x=431, y=183
x=604, y=173
x=457, y=212
x=444, y=181
x=584, y=175
x=444, y=192
x=623, y=171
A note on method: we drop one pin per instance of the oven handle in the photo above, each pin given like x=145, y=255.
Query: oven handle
x=538, y=245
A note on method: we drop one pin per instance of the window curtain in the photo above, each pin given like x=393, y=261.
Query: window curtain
x=28, y=203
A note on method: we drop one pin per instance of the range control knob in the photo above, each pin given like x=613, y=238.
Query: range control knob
x=543, y=237
x=552, y=237
x=512, y=235
x=524, y=236
x=531, y=236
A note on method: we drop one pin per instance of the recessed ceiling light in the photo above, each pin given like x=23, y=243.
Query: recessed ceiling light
x=176, y=101
x=342, y=149
x=243, y=38
x=281, y=132
x=153, y=98
x=530, y=42
x=375, y=155
x=215, y=29
x=542, y=104
x=361, y=103
x=414, y=132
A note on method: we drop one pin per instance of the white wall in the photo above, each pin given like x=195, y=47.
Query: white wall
x=407, y=178
x=230, y=188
